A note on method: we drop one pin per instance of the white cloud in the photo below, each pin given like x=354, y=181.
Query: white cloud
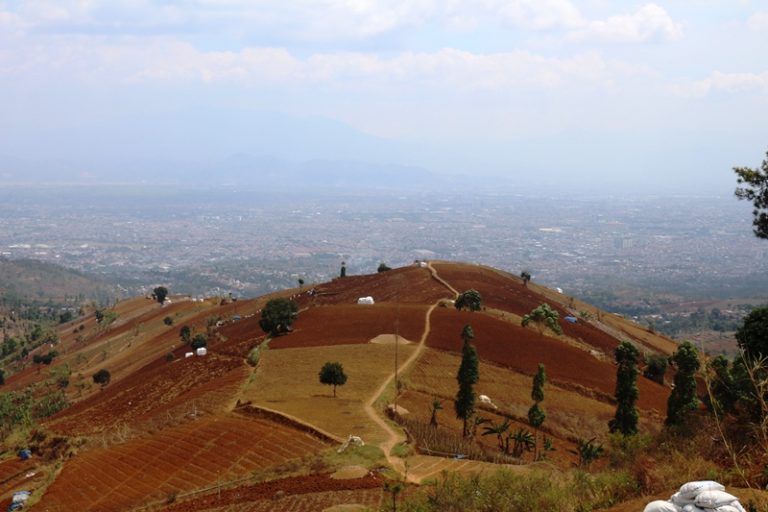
x=759, y=22
x=730, y=83
x=651, y=23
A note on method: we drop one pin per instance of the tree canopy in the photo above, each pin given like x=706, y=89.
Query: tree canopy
x=278, y=316
x=470, y=300
x=160, y=293
x=683, y=398
x=332, y=374
x=102, y=377
x=544, y=316
x=756, y=191
x=626, y=417
x=467, y=377
x=752, y=336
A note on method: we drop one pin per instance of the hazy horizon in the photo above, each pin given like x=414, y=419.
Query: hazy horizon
x=578, y=93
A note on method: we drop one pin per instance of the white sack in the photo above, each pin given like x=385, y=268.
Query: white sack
x=690, y=490
x=714, y=499
x=692, y=508
x=661, y=506
x=678, y=500
x=729, y=508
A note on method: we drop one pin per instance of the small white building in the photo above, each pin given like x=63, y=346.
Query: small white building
x=365, y=300
x=201, y=351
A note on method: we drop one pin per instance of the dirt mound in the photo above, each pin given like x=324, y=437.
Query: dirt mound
x=389, y=339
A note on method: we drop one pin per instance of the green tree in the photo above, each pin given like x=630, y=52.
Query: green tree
x=383, y=267
x=2, y=377
x=683, y=398
x=656, y=368
x=185, y=333
x=278, y=316
x=168, y=321
x=160, y=293
x=343, y=272
x=525, y=276
x=102, y=377
x=626, y=417
x=756, y=191
x=332, y=374
x=199, y=341
x=467, y=376
x=723, y=386
x=500, y=430
x=544, y=317
x=536, y=414
x=522, y=440
x=470, y=300
x=752, y=336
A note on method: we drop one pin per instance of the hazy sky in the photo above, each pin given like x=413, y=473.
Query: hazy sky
x=616, y=91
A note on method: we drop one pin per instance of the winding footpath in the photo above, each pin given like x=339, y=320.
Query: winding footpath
x=397, y=436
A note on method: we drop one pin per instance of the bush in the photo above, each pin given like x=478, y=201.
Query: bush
x=199, y=341
x=168, y=321
x=102, y=377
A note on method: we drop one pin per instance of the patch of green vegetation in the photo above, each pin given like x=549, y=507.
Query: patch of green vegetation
x=400, y=450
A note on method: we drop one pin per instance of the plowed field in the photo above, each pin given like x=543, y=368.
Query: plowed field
x=352, y=324
x=507, y=294
x=170, y=388
x=177, y=460
x=295, y=494
x=407, y=285
x=523, y=349
x=569, y=413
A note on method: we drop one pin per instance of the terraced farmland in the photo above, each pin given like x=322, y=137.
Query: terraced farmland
x=199, y=454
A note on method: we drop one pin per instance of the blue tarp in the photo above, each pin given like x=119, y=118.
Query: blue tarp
x=571, y=319
x=25, y=454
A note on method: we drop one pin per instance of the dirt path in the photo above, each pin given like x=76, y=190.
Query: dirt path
x=393, y=436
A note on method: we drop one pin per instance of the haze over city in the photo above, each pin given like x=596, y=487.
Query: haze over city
x=636, y=96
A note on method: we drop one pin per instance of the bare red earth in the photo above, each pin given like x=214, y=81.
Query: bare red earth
x=175, y=460
x=351, y=324
x=281, y=495
x=156, y=390
x=523, y=349
x=504, y=292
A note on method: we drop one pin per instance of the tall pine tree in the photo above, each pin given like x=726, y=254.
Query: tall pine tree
x=626, y=418
x=683, y=398
x=468, y=375
x=536, y=414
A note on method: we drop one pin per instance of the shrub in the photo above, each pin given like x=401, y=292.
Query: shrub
x=199, y=341
x=102, y=377
x=168, y=321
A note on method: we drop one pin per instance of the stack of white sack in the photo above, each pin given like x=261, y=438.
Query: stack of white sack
x=701, y=496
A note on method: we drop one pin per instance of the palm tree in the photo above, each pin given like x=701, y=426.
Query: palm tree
x=499, y=430
x=523, y=440
x=544, y=316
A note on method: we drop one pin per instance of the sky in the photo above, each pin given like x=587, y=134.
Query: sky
x=668, y=94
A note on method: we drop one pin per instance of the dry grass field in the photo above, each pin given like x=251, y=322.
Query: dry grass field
x=286, y=380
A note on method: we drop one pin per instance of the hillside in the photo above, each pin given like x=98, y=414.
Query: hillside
x=248, y=426
x=32, y=280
